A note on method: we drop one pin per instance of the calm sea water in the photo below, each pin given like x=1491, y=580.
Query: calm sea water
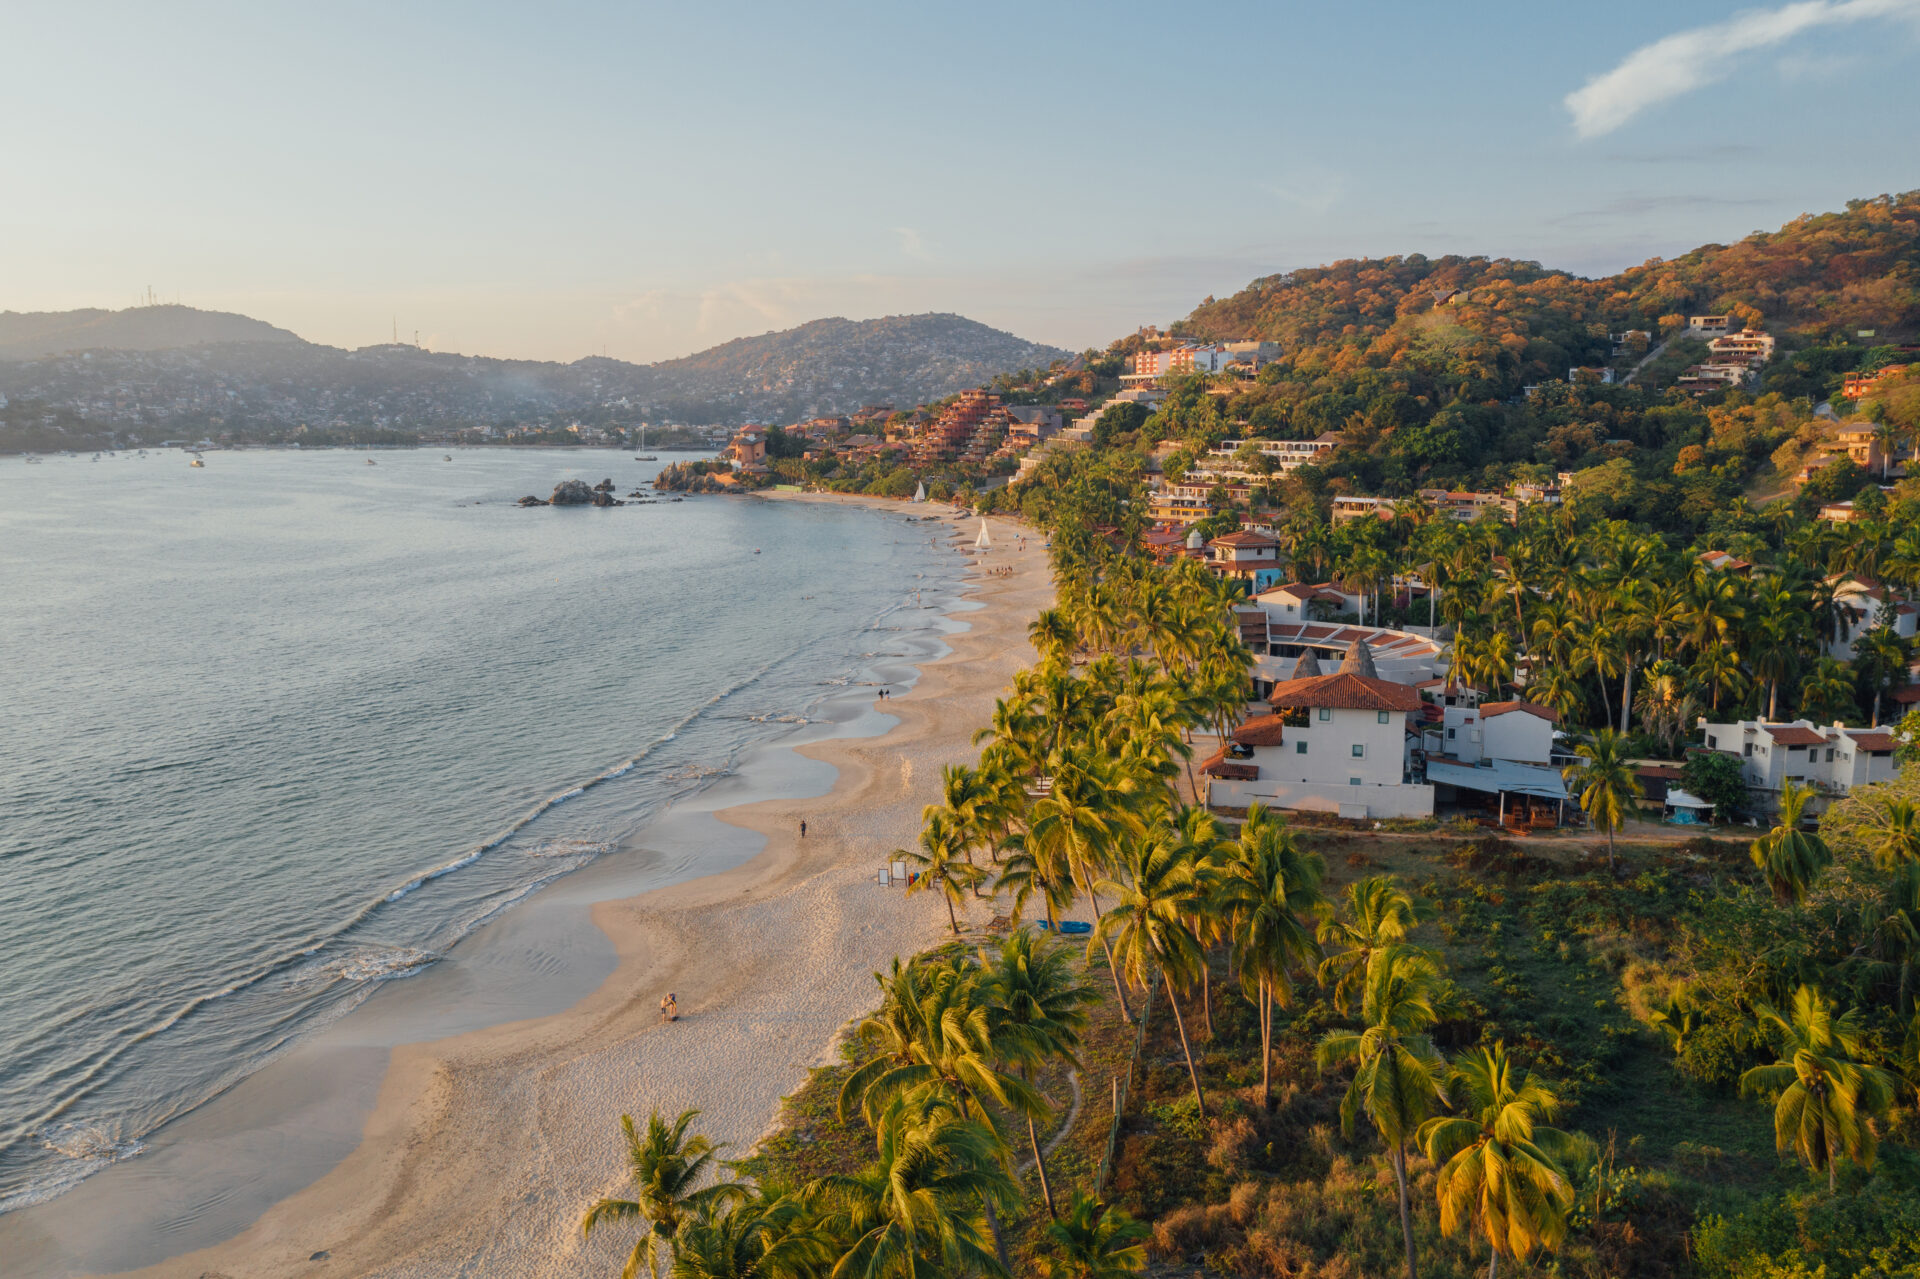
x=278, y=731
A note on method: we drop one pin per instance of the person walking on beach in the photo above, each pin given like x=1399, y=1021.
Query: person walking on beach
x=803, y=828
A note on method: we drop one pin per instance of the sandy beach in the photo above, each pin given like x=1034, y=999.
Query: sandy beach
x=483, y=1150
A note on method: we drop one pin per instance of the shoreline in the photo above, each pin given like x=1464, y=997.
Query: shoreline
x=516, y=1125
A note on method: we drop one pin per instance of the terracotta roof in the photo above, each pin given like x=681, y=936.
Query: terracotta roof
x=1232, y=771
x=1907, y=695
x=1261, y=730
x=1793, y=735
x=1879, y=740
x=1344, y=691
x=1489, y=709
x=1666, y=772
x=1244, y=539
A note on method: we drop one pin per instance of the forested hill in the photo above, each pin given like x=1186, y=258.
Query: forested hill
x=174, y=370
x=26, y=335
x=1498, y=322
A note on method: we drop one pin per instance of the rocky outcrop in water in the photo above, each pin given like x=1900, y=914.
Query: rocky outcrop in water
x=576, y=493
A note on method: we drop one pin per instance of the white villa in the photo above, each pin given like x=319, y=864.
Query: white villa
x=1333, y=744
x=1833, y=760
x=1871, y=604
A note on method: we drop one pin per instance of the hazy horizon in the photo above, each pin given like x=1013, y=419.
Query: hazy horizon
x=641, y=182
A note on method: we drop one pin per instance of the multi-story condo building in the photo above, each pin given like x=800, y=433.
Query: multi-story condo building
x=1833, y=760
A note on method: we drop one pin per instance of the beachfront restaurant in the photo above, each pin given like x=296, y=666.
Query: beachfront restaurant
x=1514, y=795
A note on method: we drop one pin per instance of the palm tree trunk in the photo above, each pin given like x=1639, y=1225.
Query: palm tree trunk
x=999, y=1238
x=1266, y=1045
x=1206, y=996
x=951, y=917
x=1040, y=1165
x=1199, y=1098
x=1626, y=700
x=1773, y=699
x=1610, y=869
x=1406, y=1213
x=1493, y=1264
x=1126, y=1013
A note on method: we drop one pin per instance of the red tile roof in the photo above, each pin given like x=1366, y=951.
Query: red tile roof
x=1880, y=740
x=1261, y=730
x=1345, y=692
x=1244, y=539
x=1793, y=735
x=1489, y=709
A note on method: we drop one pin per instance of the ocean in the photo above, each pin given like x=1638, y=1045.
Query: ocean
x=277, y=734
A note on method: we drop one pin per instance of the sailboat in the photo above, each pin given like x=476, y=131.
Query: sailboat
x=983, y=542
x=920, y=492
x=644, y=456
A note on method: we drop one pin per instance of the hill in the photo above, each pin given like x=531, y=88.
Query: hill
x=1458, y=372
x=25, y=335
x=904, y=360
x=204, y=373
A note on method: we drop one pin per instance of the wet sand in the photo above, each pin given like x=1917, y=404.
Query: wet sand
x=483, y=1149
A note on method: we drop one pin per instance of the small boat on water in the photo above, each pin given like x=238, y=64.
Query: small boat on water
x=198, y=461
x=370, y=462
x=447, y=458
x=645, y=457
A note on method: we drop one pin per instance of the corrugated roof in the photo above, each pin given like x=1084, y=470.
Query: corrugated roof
x=1500, y=775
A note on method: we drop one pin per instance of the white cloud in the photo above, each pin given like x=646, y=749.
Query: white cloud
x=912, y=243
x=1687, y=60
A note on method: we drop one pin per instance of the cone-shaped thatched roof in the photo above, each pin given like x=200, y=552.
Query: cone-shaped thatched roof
x=1359, y=661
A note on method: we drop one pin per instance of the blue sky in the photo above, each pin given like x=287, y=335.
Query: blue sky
x=551, y=180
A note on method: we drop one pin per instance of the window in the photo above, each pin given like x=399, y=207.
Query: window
x=1829, y=754
x=1747, y=749
x=1359, y=750
x=1712, y=741
x=1380, y=717
x=1299, y=748
x=1326, y=713
x=1452, y=733
x=1353, y=781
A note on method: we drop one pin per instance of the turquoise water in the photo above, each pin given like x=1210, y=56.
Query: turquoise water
x=282, y=730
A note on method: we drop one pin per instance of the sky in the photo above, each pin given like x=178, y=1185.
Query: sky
x=647, y=180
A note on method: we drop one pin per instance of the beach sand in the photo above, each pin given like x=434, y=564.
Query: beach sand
x=484, y=1150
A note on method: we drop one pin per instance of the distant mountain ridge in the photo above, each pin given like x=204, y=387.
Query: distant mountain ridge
x=177, y=364
x=26, y=335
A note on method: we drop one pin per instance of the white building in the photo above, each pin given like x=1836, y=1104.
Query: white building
x=1287, y=456
x=1869, y=604
x=1334, y=744
x=1500, y=751
x=1833, y=760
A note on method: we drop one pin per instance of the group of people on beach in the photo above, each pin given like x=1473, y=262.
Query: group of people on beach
x=1001, y=571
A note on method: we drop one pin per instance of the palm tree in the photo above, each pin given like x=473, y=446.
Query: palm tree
x=1379, y=913
x=666, y=1165
x=1498, y=1171
x=1040, y=1012
x=1092, y=1241
x=1077, y=820
x=1827, y=691
x=911, y=1211
x=1825, y=1094
x=940, y=865
x=1605, y=781
x=1881, y=655
x=1791, y=859
x=1267, y=884
x=1149, y=925
x=770, y=1236
x=1053, y=637
x=1898, y=840
x=1397, y=1079
x=1718, y=670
